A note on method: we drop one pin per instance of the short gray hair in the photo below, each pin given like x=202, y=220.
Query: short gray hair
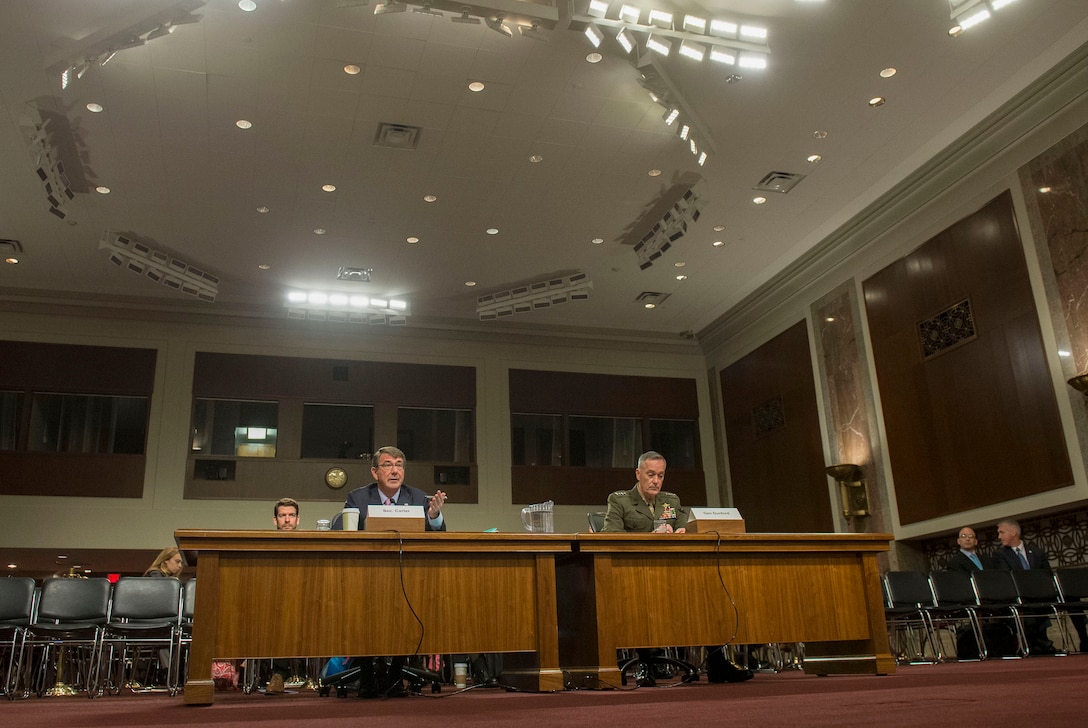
x=650, y=455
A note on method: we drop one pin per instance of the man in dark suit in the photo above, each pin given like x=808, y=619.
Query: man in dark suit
x=1018, y=554
x=968, y=558
x=388, y=488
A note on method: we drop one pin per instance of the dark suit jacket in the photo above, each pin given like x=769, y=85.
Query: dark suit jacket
x=960, y=562
x=369, y=495
x=1006, y=558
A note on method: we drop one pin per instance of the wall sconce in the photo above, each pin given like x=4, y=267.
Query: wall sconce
x=852, y=489
x=1079, y=383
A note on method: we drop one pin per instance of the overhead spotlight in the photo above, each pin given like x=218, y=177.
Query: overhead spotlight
x=626, y=40
x=595, y=34
x=685, y=130
x=694, y=24
x=426, y=10
x=661, y=19
x=498, y=26
x=702, y=158
x=719, y=54
x=163, y=30
x=723, y=28
x=753, y=32
x=598, y=8
x=465, y=17
x=692, y=50
x=630, y=14
x=670, y=116
x=390, y=7
x=534, y=31
x=658, y=44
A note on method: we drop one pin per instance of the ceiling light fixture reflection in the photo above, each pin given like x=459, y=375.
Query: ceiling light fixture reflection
x=498, y=26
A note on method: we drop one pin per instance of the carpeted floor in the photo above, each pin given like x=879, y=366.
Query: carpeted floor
x=1038, y=692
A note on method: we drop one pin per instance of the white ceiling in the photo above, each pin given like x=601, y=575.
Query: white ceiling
x=187, y=181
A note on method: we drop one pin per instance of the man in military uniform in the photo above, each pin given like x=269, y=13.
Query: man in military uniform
x=637, y=509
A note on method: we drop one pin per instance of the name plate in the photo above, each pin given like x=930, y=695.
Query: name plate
x=395, y=518
x=722, y=520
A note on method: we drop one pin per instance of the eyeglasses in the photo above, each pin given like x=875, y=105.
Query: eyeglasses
x=389, y=466
x=967, y=535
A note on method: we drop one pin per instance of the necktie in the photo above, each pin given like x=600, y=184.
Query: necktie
x=1023, y=558
x=388, y=502
x=974, y=560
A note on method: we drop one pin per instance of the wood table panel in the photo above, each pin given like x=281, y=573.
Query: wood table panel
x=653, y=590
x=320, y=594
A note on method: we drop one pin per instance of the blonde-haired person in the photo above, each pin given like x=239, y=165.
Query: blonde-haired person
x=167, y=563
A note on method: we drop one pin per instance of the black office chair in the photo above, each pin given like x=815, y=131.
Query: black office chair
x=596, y=521
x=1073, y=587
x=16, y=611
x=1038, y=600
x=909, y=599
x=998, y=607
x=954, y=608
x=146, y=615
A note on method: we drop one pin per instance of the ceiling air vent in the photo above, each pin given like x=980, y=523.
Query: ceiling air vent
x=779, y=182
x=397, y=136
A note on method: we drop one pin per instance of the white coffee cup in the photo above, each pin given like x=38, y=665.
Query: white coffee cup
x=460, y=675
x=351, y=519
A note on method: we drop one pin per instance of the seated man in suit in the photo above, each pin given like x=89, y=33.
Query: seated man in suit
x=388, y=488
x=1014, y=554
x=377, y=677
x=646, y=508
x=968, y=557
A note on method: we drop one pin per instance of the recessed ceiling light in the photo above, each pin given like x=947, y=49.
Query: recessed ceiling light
x=319, y=231
x=11, y=261
x=1045, y=190
x=102, y=189
x=718, y=243
x=94, y=108
x=887, y=72
x=351, y=69
x=13, y=566
x=412, y=239
x=759, y=200
x=654, y=173
x=263, y=266
x=429, y=198
x=594, y=57
x=876, y=101
x=718, y=228
x=536, y=159
x=681, y=277
x=813, y=158
x=819, y=134
x=492, y=231
x=248, y=5
x=649, y=305
x=470, y=284
x=679, y=264
x=830, y=319
x=243, y=124
x=62, y=556
x=597, y=241
x=329, y=188
x=476, y=86
x=263, y=209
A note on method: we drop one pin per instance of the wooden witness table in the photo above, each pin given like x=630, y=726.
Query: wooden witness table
x=626, y=590
x=264, y=594
x=564, y=602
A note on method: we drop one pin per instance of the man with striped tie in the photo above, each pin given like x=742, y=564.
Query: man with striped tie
x=389, y=488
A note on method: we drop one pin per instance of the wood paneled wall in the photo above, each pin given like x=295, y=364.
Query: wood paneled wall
x=978, y=423
x=773, y=431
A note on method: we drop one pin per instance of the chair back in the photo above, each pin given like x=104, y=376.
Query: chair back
x=1035, y=585
x=188, y=600
x=1072, y=582
x=16, y=600
x=994, y=587
x=908, y=589
x=338, y=522
x=146, y=598
x=952, y=588
x=66, y=600
x=596, y=521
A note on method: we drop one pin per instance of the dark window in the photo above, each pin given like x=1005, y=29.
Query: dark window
x=604, y=442
x=536, y=439
x=337, y=431
x=78, y=423
x=10, y=404
x=676, y=440
x=436, y=435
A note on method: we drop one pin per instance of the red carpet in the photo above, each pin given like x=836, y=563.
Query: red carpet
x=1042, y=691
